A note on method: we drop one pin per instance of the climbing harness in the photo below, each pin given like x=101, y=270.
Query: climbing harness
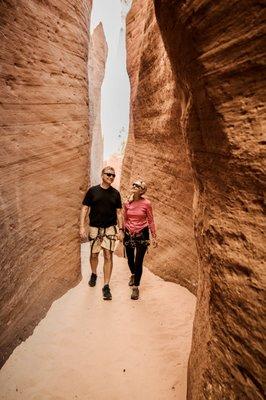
x=135, y=240
x=101, y=234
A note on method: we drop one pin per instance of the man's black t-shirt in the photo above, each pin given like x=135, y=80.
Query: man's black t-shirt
x=103, y=204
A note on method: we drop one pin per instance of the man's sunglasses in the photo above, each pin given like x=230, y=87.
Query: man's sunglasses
x=137, y=185
x=109, y=174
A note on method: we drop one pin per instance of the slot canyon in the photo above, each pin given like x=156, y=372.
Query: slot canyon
x=196, y=70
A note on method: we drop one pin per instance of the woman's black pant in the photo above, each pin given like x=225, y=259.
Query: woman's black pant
x=136, y=247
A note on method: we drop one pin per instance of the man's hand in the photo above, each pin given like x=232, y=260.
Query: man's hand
x=154, y=242
x=82, y=230
x=120, y=236
x=83, y=233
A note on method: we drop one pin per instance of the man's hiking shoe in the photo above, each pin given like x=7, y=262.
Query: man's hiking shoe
x=107, y=293
x=135, y=294
x=131, y=281
x=92, y=281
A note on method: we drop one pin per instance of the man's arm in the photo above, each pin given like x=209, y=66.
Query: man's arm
x=120, y=224
x=82, y=226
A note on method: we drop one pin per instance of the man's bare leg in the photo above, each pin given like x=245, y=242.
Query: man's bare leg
x=94, y=263
x=94, y=259
x=107, y=265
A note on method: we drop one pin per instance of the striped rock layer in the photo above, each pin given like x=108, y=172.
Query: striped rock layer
x=44, y=157
x=96, y=68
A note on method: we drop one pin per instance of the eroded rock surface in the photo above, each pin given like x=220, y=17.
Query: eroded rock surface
x=156, y=150
x=216, y=53
x=44, y=157
x=97, y=58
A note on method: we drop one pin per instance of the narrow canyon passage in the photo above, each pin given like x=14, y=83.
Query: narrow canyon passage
x=197, y=110
x=86, y=348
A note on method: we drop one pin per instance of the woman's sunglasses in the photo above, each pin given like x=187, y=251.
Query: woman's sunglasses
x=137, y=185
x=109, y=174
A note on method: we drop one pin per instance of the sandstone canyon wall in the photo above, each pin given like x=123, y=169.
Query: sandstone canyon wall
x=216, y=55
x=44, y=157
x=97, y=58
x=156, y=150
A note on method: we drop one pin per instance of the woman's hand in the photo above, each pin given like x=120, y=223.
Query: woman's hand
x=83, y=233
x=120, y=235
x=154, y=242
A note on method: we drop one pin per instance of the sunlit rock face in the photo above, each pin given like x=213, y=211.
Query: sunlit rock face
x=97, y=58
x=115, y=160
x=44, y=157
x=156, y=150
x=216, y=53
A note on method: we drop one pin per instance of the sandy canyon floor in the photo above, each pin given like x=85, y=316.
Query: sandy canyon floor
x=90, y=349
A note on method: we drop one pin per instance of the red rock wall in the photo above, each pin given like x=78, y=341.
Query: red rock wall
x=44, y=146
x=97, y=58
x=215, y=49
x=156, y=149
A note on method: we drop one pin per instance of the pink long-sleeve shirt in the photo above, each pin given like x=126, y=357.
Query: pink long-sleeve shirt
x=137, y=215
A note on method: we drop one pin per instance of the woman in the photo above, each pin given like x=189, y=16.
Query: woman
x=138, y=220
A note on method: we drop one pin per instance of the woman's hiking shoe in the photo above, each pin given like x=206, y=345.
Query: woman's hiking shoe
x=106, y=293
x=135, y=294
x=131, y=281
x=92, y=281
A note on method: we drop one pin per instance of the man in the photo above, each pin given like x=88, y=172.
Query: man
x=103, y=203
